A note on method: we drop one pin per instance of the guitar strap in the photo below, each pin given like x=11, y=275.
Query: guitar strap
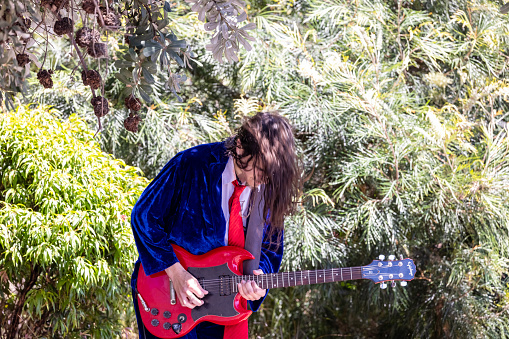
x=252, y=244
x=254, y=233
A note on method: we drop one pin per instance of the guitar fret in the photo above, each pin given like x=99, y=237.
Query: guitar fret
x=266, y=281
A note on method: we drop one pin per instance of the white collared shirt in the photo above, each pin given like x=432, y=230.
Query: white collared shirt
x=227, y=191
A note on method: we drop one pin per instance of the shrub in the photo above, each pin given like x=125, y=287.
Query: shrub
x=66, y=249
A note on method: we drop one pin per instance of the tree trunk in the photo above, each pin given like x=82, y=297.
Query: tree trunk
x=12, y=332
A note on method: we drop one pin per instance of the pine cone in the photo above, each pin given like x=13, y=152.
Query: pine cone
x=86, y=37
x=22, y=59
x=132, y=103
x=91, y=78
x=131, y=122
x=100, y=105
x=111, y=20
x=45, y=78
x=63, y=26
x=88, y=6
x=97, y=50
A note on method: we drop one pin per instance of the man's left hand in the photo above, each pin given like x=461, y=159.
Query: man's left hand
x=250, y=290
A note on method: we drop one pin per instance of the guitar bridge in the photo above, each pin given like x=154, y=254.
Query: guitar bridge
x=225, y=285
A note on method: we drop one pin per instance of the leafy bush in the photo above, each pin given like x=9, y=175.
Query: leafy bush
x=66, y=249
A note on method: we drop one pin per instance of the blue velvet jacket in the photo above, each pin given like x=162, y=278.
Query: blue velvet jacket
x=182, y=205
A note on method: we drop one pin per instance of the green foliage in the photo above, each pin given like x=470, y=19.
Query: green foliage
x=66, y=249
x=165, y=130
x=399, y=110
x=149, y=45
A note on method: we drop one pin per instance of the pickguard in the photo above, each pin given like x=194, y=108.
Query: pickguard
x=214, y=303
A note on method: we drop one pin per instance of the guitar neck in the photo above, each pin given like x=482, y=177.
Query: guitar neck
x=299, y=278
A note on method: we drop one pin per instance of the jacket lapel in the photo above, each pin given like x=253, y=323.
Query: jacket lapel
x=215, y=188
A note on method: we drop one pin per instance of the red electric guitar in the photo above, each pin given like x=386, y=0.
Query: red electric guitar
x=218, y=272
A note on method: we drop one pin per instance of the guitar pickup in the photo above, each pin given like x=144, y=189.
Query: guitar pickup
x=225, y=287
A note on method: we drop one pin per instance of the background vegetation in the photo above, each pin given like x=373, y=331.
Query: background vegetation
x=400, y=113
x=67, y=249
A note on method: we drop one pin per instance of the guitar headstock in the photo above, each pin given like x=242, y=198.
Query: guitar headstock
x=380, y=271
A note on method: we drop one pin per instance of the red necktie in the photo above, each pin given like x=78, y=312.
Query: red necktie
x=236, y=226
x=236, y=238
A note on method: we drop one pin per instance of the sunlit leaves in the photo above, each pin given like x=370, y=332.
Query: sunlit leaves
x=65, y=216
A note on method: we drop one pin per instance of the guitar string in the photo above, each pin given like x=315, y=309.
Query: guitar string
x=285, y=275
x=327, y=271
x=282, y=277
x=327, y=275
x=281, y=274
x=216, y=283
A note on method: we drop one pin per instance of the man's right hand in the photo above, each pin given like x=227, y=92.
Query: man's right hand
x=187, y=288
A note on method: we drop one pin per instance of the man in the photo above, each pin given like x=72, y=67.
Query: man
x=201, y=200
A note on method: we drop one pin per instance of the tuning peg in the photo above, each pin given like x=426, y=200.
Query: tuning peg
x=392, y=257
x=383, y=286
x=381, y=257
x=404, y=283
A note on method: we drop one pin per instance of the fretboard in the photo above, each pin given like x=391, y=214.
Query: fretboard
x=287, y=279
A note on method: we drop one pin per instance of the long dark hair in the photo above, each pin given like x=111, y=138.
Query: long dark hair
x=267, y=139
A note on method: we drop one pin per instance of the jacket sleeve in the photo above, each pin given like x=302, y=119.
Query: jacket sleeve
x=150, y=216
x=270, y=261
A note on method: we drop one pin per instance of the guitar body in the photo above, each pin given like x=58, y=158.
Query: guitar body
x=221, y=306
